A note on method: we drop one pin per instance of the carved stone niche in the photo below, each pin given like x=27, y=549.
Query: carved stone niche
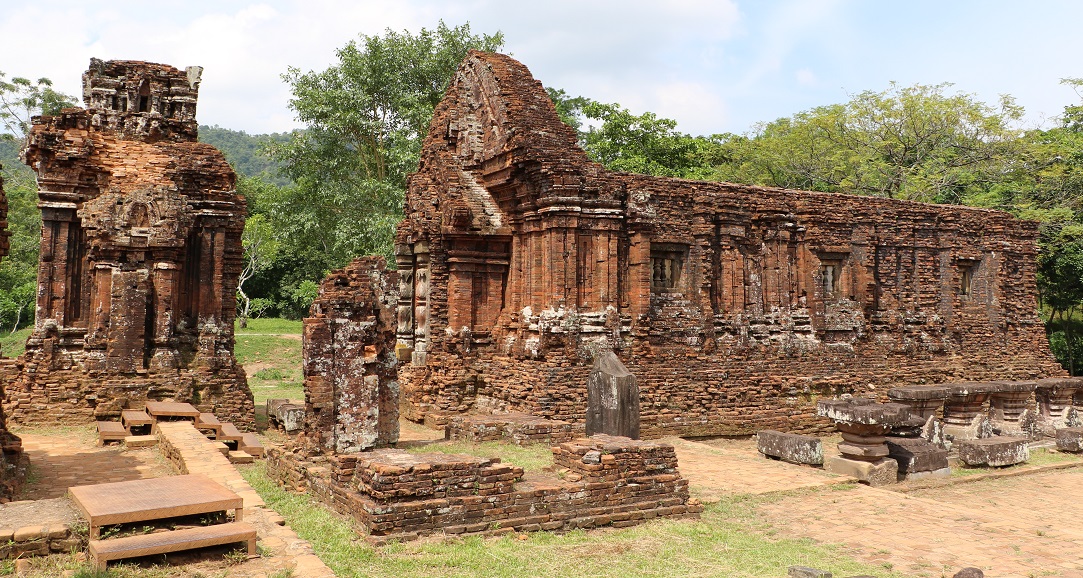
x=148, y=218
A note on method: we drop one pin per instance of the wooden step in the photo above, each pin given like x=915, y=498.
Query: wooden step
x=208, y=421
x=171, y=410
x=250, y=444
x=240, y=457
x=103, y=551
x=140, y=441
x=135, y=417
x=111, y=431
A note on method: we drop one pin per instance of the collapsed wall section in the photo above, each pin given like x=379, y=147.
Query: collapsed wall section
x=350, y=369
x=140, y=255
x=12, y=459
x=735, y=306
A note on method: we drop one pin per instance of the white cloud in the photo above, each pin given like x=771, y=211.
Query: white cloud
x=805, y=77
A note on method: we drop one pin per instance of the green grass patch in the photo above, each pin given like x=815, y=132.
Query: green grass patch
x=730, y=540
x=13, y=344
x=531, y=458
x=270, y=325
x=274, y=364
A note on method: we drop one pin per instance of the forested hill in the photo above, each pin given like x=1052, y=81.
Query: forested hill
x=242, y=150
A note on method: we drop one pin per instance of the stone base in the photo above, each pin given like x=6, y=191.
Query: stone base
x=790, y=447
x=879, y=473
x=944, y=472
x=1070, y=439
x=995, y=452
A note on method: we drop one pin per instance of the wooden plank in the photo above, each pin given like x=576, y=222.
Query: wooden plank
x=230, y=433
x=159, y=409
x=111, y=431
x=153, y=499
x=250, y=444
x=102, y=551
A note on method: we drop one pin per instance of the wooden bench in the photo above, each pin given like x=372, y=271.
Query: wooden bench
x=171, y=411
x=111, y=431
x=103, y=551
x=230, y=435
x=136, y=418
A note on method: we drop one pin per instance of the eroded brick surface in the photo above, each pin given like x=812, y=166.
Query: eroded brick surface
x=140, y=254
x=734, y=306
x=12, y=461
x=351, y=382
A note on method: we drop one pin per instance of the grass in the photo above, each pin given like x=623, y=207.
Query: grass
x=13, y=344
x=273, y=348
x=729, y=540
x=531, y=458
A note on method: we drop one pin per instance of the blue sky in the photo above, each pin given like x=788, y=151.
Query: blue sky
x=715, y=66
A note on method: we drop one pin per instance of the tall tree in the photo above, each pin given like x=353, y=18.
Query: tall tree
x=365, y=117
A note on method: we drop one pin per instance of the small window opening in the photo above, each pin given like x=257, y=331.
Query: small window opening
x=667, y=261
x=116, y=102
x=144, y=97
x=966, y=277
x=830, y=273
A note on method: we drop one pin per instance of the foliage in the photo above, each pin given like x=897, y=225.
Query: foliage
x=22, y=98
x=916, y=142
x=366, y=117
x=245, y=152
x=18, y=271
x=260, y=249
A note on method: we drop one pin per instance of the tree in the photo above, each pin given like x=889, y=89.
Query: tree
x=366, y=117
x=916, y=142
x=260, y=251
x=21, y=99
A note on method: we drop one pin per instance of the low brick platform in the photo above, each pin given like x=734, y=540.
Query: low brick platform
x=518, y=428
x=38, y=540
x=191, y=452
x=399, y=496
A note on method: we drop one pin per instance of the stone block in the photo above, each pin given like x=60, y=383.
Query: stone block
x=612, y=399
x=1070, y=439
x=942, y=473
x=878, y=473
x=806, y=572
x=917, y=455
x=790, y=447
x=995, y=451
x=28, y=533
x=140, y=441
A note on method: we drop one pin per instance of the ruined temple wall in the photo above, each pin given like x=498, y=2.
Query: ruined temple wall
x=12, y=459
x=140, y=255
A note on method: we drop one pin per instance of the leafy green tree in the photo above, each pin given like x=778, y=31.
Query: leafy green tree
x=916, y=142
x=1060, y=283
x=22, y=98
x=366, y=117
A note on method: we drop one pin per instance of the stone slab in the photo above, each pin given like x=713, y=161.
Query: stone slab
x=790, y=447
x=995, y=451
x=882, y=472
x=140, y=441
x=942, y=473
x=1070, y=439
x=917, y=455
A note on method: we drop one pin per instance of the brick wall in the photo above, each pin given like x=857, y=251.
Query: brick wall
x=395, y=495
x=12, y=459
x=735, y=306
x=140, y=255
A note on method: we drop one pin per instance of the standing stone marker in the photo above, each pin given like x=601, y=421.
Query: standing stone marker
x=612, y=399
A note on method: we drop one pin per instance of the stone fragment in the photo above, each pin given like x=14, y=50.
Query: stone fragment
x=806, y=572
x=1054, y=396
x=790, y=447
x=1008, y=408
x=1070, y=439
x=612, y=398
x=964, y=416
x=995, y=451
x=969, y=572
x=287, y=415
x=916, y=455
x=874, y=473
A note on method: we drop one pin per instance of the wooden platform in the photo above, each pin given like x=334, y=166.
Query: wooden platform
x=102, y=551
x=170, y=410
x=111, y=431
x=250, y=444
x=152, y=499
x=207, y=421
x=135, y=418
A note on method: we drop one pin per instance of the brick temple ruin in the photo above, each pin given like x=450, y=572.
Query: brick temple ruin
x=12, y=459
x=735, y=306
x=140, y=255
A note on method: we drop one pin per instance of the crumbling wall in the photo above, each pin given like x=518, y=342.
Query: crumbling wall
x=140, y=255
x=351, y=384
x=12, y=459
x=735, y=306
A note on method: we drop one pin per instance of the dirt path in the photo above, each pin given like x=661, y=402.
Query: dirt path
x=1008, y=526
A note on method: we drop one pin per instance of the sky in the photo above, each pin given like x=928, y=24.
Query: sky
x=714, y=66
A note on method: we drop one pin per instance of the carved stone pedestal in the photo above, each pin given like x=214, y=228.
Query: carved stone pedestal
x=1054, y=396
x=964, y=417
x=864, y=449
x=1008, y=409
